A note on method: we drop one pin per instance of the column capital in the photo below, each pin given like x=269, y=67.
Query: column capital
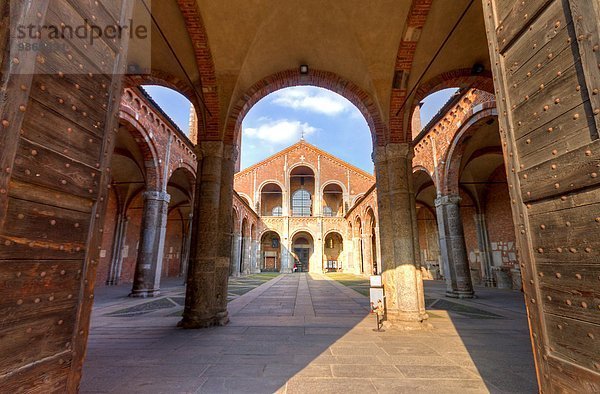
x=231, y=152
x=210, y=149
x=451, y=199
x=157, y=196
x=395, y=151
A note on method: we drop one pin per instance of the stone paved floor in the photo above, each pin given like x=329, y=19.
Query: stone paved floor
x=306, y=333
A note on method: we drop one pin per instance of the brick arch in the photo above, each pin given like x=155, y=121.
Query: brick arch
x=245, y=198
x=268, y=182
x=358, y=197
x=164, y=79
x=420, y=169
x=245, y=230
x=323, y=79
x=461, y=78
x=334, y=231
x=303, y=230
x=417, y=16
x=370, y=214
x=454, y=154
x=358, y=226
x=140, y=135
x=236, y=221
x=269, y=230
x=189, y=169
x=206, y=68
x=189, y=174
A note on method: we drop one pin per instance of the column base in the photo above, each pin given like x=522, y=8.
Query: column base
x=144, y=293
x=407, y=321
x=285, y=271
x=460, y=294
x=220, y=319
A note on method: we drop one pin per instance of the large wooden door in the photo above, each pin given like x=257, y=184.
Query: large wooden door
x=55, y=148
x=546, y=69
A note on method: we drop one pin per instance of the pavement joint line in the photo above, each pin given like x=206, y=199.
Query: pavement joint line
x=239, y=303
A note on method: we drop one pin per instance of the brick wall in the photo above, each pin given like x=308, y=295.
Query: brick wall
x=158, y=138
x=499, y=220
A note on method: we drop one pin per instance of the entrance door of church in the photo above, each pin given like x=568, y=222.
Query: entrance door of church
x=302, y=260
x=270, y=264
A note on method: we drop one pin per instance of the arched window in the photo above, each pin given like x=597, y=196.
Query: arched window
x=277, y=211
x=301, y=203
x=327, y=212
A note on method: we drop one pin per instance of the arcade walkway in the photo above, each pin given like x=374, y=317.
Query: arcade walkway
x=308, y=333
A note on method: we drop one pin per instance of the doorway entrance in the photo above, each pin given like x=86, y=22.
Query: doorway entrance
x=302, y=246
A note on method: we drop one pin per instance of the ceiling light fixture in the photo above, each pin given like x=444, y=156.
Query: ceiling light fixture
x=304, y=69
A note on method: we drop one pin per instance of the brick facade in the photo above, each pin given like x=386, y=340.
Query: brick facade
x=264, y=196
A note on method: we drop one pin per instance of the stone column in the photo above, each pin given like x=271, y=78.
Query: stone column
x=246, y=253
x=396, y=211
x=317, y=262
x=114, y=273
x=255, y=260
x=230, y=157
x=358, y=262
x=152, y=243
x=453, y=248
x=368, y=253
x=287, y=261
x=204, y=293
x=378, y=250
x=186, y=254
x=236, y=245
x=486, y=251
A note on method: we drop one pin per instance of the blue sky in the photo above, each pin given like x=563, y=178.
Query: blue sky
x=326, y=119
x=174, y=104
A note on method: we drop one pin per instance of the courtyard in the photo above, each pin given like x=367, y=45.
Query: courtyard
x=307, y=333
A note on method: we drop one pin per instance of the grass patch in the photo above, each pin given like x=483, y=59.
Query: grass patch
x=360, y=284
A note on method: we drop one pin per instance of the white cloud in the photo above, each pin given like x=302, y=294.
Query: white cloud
x=281, y=131
x=312, y=99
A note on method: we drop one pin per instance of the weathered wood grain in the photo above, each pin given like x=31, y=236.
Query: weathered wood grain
x=574, y=170
x=40, y=166
x=563, y=134
x=79, y=139
x=538, y=109
x=587, y=29
x=546, y=66
x=48, y=376
x=575, y=340
x=515, y=16
x=543, y=34
x=569, y=290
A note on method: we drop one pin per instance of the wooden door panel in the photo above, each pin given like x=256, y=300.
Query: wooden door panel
x=548, y=119
x=56, y=144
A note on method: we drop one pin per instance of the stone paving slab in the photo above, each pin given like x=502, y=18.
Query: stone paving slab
x=307, y=333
